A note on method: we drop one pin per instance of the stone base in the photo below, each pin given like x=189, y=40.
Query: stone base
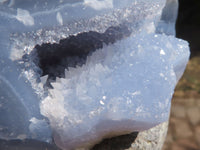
x=152, y=139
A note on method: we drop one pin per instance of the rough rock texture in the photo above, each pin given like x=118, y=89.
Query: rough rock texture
x=151, y=139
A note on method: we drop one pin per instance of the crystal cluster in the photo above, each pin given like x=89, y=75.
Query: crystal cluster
x=122, y=86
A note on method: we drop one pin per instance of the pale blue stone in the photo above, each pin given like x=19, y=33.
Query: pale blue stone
x=124, y=87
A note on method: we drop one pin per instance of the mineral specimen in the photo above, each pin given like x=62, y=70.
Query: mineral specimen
x=132, y=62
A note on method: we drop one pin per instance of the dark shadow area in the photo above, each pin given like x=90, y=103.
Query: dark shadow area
x=26, y=145
x=188, y=24
x=54, y=58
x=117, y=143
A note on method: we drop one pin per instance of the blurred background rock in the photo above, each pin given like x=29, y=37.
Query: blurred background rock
x=184, y=123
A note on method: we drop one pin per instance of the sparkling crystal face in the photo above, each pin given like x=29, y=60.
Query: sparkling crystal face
x=89, y=69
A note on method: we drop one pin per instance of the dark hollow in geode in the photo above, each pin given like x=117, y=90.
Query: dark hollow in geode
x=54, y=58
